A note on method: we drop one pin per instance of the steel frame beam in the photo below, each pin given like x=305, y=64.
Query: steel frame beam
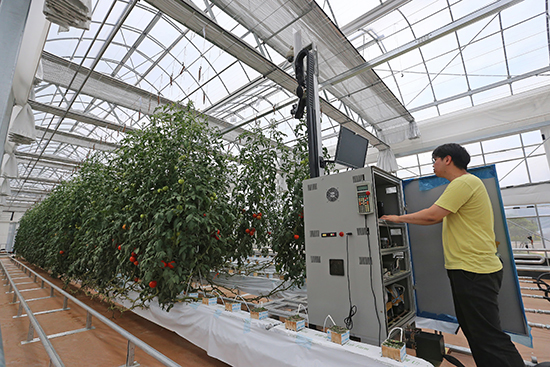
x=46, y=157
x=47, y=164
x=483, y=89
x=372, y=15
x=75, y=139
x=35, y=179
x=78, y=116
x=432, y=36
x=113, y=84
x=196, y=21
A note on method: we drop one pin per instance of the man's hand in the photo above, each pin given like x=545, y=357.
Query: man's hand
x=431, y=215
x=391, y=218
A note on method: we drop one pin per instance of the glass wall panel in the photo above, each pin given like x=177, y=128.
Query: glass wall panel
x=504, y=156
x=531, y=137
x=495, y=145
x=544, y=209
x=545, y=228
x=524, y=232
x=408, y=173
x=520, y=211
x=538, y=168
x=407, y=161
x=476, y=161
x=512, y=173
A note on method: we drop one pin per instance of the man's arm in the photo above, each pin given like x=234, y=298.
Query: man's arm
x=431, y=215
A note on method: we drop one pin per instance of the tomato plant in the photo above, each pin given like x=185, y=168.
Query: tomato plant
x=170, y=206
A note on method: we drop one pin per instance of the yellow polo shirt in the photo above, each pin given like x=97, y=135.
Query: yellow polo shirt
x=468, y=231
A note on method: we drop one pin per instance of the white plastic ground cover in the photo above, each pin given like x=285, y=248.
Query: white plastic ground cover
x=237, y=340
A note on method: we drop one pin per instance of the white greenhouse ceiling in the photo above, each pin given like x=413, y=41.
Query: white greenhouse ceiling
x=385, y=66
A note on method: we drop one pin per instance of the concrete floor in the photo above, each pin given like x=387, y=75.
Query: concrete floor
x=104, y=347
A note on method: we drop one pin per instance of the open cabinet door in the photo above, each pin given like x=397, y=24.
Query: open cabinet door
x=434, y=304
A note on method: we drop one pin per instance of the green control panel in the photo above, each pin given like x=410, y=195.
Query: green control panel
x=364, y=192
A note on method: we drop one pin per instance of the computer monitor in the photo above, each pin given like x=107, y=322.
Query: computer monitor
x=351, y=149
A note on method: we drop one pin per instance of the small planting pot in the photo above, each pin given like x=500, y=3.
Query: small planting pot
x=259, y=313
x=210, y=301
x=295, y=323
x=394, y=349
x=338, y=335
x=232, y=306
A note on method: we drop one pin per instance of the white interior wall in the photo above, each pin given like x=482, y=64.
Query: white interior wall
x=526, y=194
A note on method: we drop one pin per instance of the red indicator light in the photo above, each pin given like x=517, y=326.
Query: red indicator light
x=341, y=234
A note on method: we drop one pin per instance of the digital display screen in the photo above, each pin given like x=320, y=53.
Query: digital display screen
x=362, y=187
x=351, y=150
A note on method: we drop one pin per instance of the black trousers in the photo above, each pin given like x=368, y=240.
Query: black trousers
x=475, y=299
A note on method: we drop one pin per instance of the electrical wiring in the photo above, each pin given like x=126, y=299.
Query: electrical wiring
x=348, y=321
x=372, y=285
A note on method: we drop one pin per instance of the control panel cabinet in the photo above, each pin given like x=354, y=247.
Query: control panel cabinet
x=353, y=258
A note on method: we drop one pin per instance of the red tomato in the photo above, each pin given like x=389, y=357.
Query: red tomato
x=136, y=263
x=247, y=230
x=136, y=280
x=254, y=215
x=153, y=283
x=296, y=236
x=61, y=252
x=119, y=247
x=132, y=259
x=171, y=264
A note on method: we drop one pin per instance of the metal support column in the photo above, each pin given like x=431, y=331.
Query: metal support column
x=545, y=132
x=130, y=352
x=2, y=359
x=88, y=320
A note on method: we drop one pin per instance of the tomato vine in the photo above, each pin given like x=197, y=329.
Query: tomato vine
x=169, y=206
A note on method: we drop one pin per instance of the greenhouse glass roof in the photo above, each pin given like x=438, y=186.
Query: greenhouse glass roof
x=384, y=66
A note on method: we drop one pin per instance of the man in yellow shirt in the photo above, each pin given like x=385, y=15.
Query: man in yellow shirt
x=469, y=247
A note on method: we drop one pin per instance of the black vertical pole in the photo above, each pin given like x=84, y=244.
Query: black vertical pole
x=311, y=118
x=310, y=101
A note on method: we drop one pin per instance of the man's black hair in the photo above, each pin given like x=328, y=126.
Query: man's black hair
x=459, y=155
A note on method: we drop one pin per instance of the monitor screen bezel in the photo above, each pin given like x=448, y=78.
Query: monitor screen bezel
x=350, y=138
